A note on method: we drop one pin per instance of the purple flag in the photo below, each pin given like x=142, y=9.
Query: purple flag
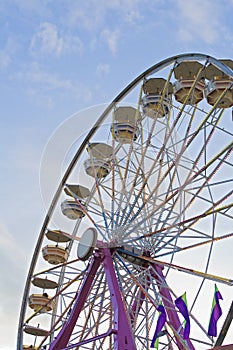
x=216, y=313
x=181, y=304
x=160, y=323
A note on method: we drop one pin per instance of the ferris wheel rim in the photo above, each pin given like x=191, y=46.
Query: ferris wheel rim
x=124, y=92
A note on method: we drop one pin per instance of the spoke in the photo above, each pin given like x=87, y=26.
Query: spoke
x=215, y=239
x=167, y=138
x=193, y=219
x=187, y=182
x=144, y=150
x=124, y=177
x=195, y=163
x=198, y=191
x=193, y=272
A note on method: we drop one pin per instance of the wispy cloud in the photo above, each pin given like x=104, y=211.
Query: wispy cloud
x=14, y=263
x=4, y=59
x=41, y=85
x=7, y=52
x=93, y=15
x=45, y=87
x=102, y=68
x=40, y=8
x=8, y=245
x=49, y=40
x=110, y=38
x=198, y=20
x=95, y=18
x=37, y=75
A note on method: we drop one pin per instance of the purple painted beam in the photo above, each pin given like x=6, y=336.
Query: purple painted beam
x=138, y=301
x=169, y=305
x=64, y=335
x=104, y=335
x=123, y=339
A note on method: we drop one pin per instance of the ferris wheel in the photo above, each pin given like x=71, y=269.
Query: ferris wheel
x=141, y=209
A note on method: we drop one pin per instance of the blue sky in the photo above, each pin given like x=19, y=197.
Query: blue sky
x=57, y=58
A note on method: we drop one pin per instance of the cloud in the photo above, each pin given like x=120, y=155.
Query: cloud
x=8, y=52
x=44, y=87
x=133, y=16
x=40, y=8
x=9, y=247
x=48, y=40
x=12, y=274
x=93, y=15
x=4, y=59
x=198, y=19
x=111, y=39
x=106, y=20
x=102, y=68
x=40, y=85
x=36, y=74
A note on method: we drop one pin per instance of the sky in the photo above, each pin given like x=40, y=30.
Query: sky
x=60, y=57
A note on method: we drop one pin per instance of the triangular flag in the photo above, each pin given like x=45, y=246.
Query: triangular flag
x=160, y=323
x=181, y=304
x=216, y=313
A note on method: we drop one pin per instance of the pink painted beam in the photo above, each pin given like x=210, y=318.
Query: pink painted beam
x=63, y=337
x=124, y=338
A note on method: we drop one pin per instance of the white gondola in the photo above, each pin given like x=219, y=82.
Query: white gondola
x=186, y=73
x=219, y=85
x=74, y=208
x=38, y=332
x=57, y=236
x=125, y=124
x=77, y=191
x=44, y=283
x=54, y=254
x=98, y=165
x=41, y=302
x=156, y=102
